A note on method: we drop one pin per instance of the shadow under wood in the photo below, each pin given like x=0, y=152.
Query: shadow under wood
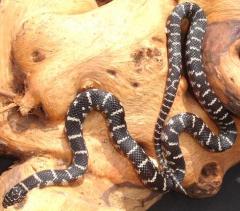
x=6, y=162
x=226, y=199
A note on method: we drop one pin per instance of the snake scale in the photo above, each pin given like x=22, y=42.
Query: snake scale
x=166, y=137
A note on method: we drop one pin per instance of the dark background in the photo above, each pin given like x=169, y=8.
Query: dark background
x=228, y=199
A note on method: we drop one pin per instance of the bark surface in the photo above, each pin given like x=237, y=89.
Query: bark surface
x=51, y=50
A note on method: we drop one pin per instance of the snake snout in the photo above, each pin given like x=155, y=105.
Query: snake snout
x=15, y=195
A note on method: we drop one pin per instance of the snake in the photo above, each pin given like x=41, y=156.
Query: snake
x=168, y=173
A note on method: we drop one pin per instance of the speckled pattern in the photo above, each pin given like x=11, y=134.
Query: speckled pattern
x=166, y=137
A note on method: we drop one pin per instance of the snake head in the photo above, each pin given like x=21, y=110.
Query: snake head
x=14, y=195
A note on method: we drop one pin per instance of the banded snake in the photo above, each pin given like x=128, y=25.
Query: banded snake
x=166, y=137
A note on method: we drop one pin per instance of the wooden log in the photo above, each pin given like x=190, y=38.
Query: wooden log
x=222, y=50
x=120, y=47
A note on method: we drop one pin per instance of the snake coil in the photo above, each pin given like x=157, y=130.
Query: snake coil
x=166, y=137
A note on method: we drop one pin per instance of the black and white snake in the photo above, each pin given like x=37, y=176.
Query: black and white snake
x=166, y=137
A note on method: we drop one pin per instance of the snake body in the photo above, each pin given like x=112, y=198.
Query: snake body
x=166, y=137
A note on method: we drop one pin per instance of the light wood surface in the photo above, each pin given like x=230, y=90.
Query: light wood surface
x=51, y=50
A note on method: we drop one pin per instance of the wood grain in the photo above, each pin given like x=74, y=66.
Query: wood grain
x=51, y=51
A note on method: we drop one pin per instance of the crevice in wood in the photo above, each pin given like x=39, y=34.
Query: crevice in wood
x=18, y=123
x=19, y=77
x=102, y=2
x=112, y=72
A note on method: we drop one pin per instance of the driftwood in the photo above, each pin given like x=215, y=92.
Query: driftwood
x=51, y=51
